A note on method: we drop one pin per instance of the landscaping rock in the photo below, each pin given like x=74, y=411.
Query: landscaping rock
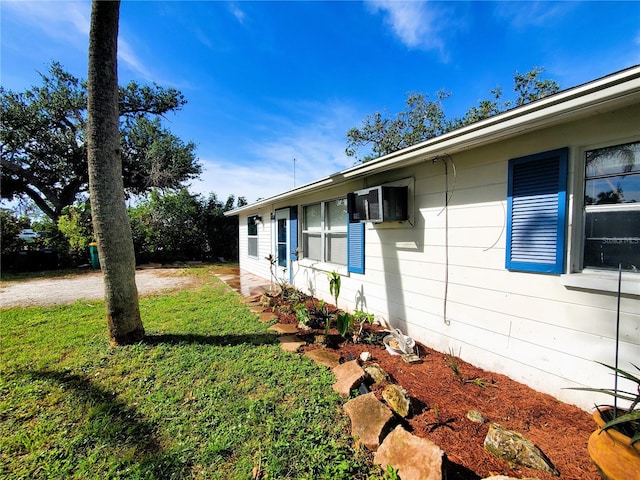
x=377, y=374
x=513, y=447
x=365, y=356
x=291, y=343
x=398, y=399
x=283, y=328
x=415, y=458
x=257, y=298
x=475, y=416
x=322, y=356
x=348, y=376
x=370, y=420
x=266, y=317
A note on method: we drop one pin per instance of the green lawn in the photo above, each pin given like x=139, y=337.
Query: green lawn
x=208, y=394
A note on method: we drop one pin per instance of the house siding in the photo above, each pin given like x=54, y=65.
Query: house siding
x=529, y=326
x=256, y=265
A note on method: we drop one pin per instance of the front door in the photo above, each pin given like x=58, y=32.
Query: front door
x=282, y=243
x=286, y=236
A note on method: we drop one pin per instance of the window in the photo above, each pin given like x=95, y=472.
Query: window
x=324, y=232
x=536, y=218
x=612, y=207
x=252, y=236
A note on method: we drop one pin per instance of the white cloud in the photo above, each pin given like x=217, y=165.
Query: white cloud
x=127, y=55
x=237, y=12
x=225, y=178
x=69, y=23
x=66, y=22
x=264, y=166
x=416, y=23
x=525, y=14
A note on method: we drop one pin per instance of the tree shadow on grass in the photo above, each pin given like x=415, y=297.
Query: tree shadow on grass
x=256, y=339
x=130, y=437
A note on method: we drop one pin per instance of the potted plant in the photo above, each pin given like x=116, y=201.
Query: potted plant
x=615, y=445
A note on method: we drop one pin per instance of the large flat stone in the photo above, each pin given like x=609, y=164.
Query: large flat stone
x=266, y=317
x=415, y=458
x=322, y=356
x=256, y=298
x=370, y=420
x=349, y=375
x=284, y=328
x=291, y=343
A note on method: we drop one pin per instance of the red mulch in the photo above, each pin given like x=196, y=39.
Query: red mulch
x=440, y=402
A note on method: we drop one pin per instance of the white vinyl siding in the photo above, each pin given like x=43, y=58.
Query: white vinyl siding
x=546, y=331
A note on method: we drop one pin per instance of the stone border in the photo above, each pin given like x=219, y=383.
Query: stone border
x=374, y=424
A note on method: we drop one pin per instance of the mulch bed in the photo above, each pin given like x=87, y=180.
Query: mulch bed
x=440, y=401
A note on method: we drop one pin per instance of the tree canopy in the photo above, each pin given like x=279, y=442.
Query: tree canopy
x=424, y=118
x=43, y=151
x=178, y=225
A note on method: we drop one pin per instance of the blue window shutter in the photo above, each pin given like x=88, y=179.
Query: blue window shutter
x=355, y=247
x=536, y=212
x=293, y=237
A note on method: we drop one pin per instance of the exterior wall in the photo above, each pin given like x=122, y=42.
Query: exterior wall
x=443, y=280
x=256, y=265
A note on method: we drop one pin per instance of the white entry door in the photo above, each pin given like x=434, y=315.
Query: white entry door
x=282, y=246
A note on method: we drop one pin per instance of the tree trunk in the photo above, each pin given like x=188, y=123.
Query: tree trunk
x=110, y=220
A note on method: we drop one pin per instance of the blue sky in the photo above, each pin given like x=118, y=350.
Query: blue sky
x=267, y=82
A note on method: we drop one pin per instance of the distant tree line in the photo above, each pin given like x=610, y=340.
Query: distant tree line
x=167, y=227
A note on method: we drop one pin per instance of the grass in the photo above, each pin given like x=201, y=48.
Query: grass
x=208, y=394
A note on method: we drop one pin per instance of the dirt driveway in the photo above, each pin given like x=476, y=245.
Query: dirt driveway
x=89, y=286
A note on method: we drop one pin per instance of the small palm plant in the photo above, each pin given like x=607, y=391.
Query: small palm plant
x=626, y=421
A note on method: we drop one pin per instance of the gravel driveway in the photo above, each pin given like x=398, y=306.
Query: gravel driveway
x=89, y=286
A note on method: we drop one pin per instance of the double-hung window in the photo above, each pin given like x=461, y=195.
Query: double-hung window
x=612, y=207
x=252, y=236
x=324, y=232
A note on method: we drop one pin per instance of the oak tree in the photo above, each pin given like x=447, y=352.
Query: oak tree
x=43, y=145
x=424, y=118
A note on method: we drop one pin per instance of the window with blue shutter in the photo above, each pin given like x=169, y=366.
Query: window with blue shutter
x=536, y=212
x=355, y=247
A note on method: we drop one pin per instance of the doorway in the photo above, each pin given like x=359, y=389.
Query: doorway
x=286, y=241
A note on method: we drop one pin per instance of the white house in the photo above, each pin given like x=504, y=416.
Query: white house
x=508, y=244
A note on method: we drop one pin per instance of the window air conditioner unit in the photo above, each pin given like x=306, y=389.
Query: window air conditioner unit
x=378, y=204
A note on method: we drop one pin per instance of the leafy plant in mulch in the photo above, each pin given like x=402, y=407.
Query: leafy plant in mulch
x=345, y=323
x=452, y=362
x=334, y=285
